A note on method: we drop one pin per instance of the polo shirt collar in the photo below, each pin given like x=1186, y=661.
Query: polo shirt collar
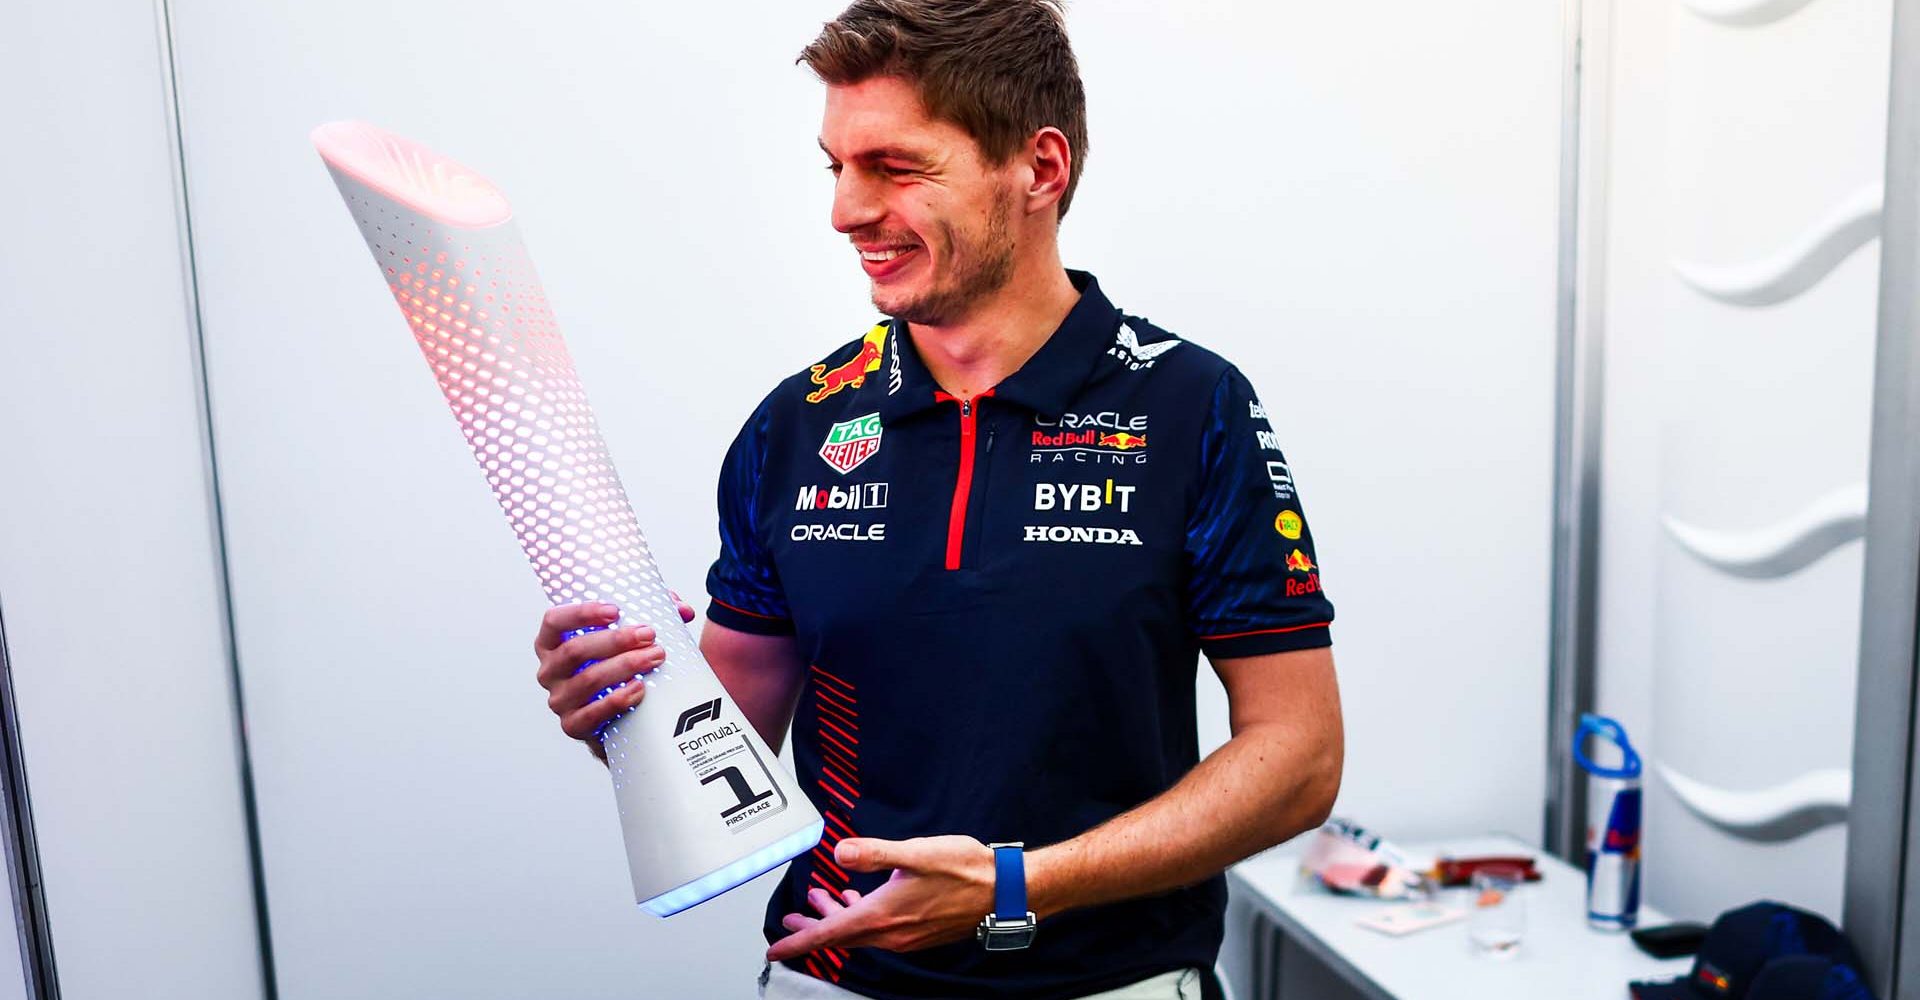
x=1048, y=381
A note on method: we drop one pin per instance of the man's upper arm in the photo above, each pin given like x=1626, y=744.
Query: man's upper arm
x=1297, y=689
x=762, y=674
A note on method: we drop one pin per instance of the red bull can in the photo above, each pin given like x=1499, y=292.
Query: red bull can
x=1613, y=823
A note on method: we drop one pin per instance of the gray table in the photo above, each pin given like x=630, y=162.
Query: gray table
x=1561, y=958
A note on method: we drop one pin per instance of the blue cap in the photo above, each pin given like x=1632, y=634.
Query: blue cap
x=1741, y=943
x=1808, y=977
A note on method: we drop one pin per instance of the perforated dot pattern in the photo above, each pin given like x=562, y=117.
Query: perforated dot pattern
x=478, y=312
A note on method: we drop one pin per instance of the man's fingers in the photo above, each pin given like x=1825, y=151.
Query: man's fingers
x=563, y=618
x=686, y=610
x=824, y=902
x=852, y=896
x=871, y=854
x=585, y=722
x=574, y=692
x=559, y=664
x=810, y=934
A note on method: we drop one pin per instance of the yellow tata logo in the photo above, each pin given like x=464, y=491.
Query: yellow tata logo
x=1288, y=525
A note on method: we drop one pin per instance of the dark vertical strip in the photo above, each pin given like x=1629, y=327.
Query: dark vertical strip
x=176, y=135
x=23, y=856
x=1576, y=478
x=1882, y=893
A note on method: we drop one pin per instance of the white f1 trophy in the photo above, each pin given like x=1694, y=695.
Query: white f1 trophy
x=704, y=805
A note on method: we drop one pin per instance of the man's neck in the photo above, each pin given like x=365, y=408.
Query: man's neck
x=998, y=335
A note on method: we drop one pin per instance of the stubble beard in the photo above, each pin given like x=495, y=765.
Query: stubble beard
x=983, y=264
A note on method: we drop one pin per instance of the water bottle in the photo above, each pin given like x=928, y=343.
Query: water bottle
x=1613, y=825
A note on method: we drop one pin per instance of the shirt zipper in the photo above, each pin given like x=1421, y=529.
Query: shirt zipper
x=963, y=482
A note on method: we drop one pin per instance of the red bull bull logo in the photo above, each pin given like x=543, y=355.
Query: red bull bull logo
x=1299, y=562
x=1122, y=441
x=854, y=373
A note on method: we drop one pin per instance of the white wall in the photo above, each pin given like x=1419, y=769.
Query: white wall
x=1729, y=144
x=107, y=567
x=1357, y=207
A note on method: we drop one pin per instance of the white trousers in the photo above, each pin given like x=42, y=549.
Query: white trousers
x=777, y=982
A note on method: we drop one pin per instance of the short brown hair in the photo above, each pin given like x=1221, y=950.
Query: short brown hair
x=1000, y=69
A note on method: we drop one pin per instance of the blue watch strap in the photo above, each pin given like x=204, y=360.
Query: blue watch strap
x=1009, y=882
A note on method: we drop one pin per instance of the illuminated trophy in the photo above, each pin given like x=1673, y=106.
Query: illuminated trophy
x=704, y=805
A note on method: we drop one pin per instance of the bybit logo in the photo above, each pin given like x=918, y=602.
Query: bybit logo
x=1082, y=496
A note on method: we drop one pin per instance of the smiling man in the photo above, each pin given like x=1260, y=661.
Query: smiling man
x=972, y=557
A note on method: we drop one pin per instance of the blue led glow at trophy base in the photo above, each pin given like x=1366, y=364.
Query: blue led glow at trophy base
x=704, y=804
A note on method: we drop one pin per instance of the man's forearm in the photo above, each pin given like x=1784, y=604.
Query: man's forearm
x=1262, y=787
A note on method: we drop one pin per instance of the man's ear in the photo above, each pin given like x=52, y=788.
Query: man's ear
x=1051, y=159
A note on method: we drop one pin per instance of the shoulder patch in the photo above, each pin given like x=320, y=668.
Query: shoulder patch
x=854, y=371
x=1135, y=355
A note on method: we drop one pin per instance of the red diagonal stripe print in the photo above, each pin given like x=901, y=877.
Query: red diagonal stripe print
x=831, y=696
x=851, y=791
x=849, y=737
x=836, y=738
x=825, y=857
x=828, y=739
x=829, y=710
x=830, y=790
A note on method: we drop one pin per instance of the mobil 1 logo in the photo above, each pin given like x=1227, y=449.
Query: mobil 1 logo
x=734, y=782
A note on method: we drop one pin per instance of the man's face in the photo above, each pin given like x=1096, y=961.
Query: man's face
x=931, y=219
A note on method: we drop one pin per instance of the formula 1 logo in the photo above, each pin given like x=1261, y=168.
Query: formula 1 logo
x=854, y=372
x=851, y=442
x=705, y=712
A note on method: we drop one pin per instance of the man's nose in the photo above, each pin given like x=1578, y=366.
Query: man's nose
x=856, y=204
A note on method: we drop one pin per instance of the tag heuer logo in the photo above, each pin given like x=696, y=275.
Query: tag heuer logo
x=851, y=442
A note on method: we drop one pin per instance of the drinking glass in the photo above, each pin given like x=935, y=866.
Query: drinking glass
x=1498, y=914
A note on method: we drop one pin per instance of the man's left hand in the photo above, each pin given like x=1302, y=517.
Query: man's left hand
x=940, y=889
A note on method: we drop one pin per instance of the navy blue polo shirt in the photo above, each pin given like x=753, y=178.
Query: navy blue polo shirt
x=1001, y=603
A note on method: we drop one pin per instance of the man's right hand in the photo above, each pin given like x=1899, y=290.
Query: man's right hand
x=622, y=654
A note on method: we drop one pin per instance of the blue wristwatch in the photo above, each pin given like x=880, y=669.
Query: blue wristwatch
x=1011, y=925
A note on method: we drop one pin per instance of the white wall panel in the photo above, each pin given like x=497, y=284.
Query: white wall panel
x=1360, y=210
x=107, y=560
x=1732, y=421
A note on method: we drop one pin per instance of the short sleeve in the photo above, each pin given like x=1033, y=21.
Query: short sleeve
x=1254, y=580
x=743, y=586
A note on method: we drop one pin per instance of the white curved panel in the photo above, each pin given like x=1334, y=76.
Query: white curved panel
x=1744, y=13
x=1797, y=266
x=1783, y=547
x=1786, y=811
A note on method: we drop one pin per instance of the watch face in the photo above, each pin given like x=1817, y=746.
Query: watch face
x=1009, y=938
x=1008, y=935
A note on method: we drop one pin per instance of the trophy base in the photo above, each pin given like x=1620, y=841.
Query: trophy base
x=736, y=874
